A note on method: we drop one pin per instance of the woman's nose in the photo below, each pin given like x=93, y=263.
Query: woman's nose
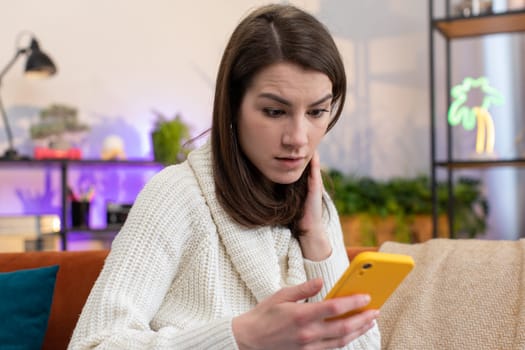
x=295, y=133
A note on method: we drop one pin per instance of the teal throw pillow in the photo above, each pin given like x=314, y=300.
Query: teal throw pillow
x=25, y=304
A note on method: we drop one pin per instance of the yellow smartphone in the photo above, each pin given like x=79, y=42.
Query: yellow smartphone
x=374, y=273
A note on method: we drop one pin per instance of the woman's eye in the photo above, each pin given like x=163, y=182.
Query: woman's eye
x=318, y=112
x=273, y=112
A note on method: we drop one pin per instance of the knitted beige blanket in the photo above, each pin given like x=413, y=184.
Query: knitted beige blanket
x=462, y=294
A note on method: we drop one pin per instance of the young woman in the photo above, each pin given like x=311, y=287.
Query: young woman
x=236, y=247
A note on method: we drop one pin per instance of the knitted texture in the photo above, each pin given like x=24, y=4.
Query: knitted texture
x=180, y=269
x=462, y=294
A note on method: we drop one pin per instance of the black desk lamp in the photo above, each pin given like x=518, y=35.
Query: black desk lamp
x=38, y=65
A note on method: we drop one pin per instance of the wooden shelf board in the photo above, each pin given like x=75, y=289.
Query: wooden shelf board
x=79, y=162
x=466, y=164
x=110, y=230
x=508, y=22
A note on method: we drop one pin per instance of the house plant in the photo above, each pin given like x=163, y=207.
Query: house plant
x=56, y=134
x=169, y=139
x=400, y=209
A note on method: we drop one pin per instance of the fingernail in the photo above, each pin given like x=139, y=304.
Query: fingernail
x=366, y=299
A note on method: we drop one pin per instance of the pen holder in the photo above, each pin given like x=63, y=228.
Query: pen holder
x=80, y=214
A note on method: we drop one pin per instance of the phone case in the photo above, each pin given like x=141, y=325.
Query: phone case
x=374, y=273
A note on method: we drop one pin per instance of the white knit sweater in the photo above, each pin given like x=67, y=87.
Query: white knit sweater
x=180, y=269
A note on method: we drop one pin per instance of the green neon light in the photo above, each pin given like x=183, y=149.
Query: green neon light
x=459, y=113
x=470, y=116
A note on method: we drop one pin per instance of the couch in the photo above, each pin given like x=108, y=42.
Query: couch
x=75, y=277
x=462, y=294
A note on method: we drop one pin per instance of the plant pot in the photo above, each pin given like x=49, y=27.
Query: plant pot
x=422, y=228
x=370, y=230
x=367, y=230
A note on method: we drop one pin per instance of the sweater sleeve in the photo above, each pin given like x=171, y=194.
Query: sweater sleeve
x=138, y=273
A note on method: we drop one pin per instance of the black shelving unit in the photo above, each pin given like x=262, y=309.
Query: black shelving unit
x=452, y=29
x=64, y=165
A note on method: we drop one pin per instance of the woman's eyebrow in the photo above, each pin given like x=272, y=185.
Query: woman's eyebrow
x=324, y=99
x=275, y=98
x=288, y=103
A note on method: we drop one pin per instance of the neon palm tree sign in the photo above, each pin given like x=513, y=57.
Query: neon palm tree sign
x=458, y=112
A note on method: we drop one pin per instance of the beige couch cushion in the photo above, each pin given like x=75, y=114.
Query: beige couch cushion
x=462, y=294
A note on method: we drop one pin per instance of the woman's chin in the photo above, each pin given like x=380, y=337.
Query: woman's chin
x=285, y=179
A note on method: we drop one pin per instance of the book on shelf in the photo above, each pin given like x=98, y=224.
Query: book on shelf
x=29, y=225
x=24, y=243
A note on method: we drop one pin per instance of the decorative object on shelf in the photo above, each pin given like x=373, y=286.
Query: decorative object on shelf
x=459, y=112
x=403, y=207
x=50, y=153
x=38, y=65
x=170, y=138
x=467, y=8
x=80, y=214
x=56, y=123
x=113, y=148
x=117, y=213
x=80, y=207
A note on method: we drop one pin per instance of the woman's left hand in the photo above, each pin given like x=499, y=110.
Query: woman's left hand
x=314, y=242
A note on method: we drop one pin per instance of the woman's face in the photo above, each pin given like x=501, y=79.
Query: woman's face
x=284, y=115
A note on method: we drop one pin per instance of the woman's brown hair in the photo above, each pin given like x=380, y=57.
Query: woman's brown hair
x=270, y=34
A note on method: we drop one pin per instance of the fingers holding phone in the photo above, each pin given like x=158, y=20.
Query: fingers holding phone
x=282, y=321
x=342, y=331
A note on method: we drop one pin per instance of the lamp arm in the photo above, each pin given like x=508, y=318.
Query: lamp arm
x=11, y=62
x=6, y=124
x=2, y=110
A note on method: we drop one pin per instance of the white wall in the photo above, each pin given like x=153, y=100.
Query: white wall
x=385, y=129
x=119, y=59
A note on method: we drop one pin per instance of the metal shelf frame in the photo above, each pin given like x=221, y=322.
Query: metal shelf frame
x=64, y=165
x=450, y=29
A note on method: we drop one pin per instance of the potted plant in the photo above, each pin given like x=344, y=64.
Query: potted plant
x=400, y=209
x=56, y=134
x=169, y=138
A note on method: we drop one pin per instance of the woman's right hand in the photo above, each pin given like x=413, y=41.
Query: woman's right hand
x=282, y=322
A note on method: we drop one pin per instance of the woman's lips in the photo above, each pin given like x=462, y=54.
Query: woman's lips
x=290, y=162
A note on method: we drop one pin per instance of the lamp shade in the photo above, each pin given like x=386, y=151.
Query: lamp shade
x=38, y=64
